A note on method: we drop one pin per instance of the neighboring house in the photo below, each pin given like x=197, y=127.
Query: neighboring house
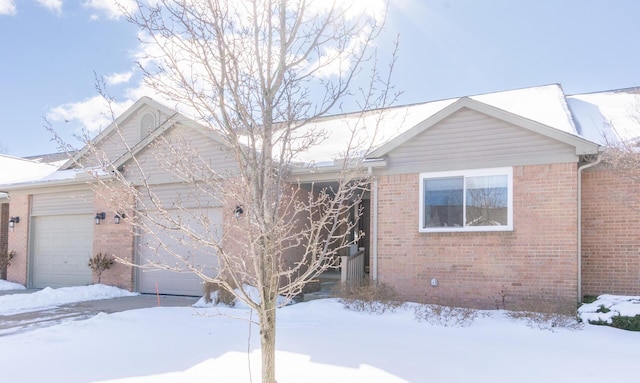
x=473, y=201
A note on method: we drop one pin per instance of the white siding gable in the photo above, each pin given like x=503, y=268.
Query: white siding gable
x=470, y=140
x=127, y=133
x=182, y=153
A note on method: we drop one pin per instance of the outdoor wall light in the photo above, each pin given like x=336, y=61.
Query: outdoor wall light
x=238, y=211
x=13, y=221
x=118, y=217
x=99, y=217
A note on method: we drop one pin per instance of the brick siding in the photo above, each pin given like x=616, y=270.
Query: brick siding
x=533, y=266
x=4, y=225
x=610, y=233
x=19, y=238
x=114, y=239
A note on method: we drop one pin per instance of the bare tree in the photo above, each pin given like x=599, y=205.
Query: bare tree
x=621, y=147
x=259, y=76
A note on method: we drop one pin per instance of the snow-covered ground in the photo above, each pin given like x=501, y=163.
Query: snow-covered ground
x=608, y=306
x=6, y=286
x=48, y=297
x=318, y=341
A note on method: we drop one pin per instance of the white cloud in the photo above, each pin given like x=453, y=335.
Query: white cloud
x=111, y=9
x=118, y=78
x=54, y=6
x=93, y=114
x=7, y=7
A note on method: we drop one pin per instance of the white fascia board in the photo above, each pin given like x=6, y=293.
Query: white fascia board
x=54, y=183
x=367, y=163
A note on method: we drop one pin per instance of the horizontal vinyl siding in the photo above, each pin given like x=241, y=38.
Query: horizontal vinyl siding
x=469, y=139
x=77, y=202
x=130, y=131
x=160, y=164
x=183, y=196
x=113, y=147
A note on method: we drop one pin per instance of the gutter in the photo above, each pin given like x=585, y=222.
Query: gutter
x=62, y=182
x=580, y=169
x=374, y=226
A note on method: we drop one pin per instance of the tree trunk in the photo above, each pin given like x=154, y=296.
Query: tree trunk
x=268, y=342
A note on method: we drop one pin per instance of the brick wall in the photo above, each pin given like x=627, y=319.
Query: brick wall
x=4, y=234
x=534, y=265
x=114, y=239
x=19, y=238
x=611, y=233
x=4, y=225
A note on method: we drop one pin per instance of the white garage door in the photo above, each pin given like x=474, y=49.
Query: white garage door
x=151, y=250
x=61, y=239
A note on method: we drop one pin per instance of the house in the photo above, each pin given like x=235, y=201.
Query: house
x=494, y=200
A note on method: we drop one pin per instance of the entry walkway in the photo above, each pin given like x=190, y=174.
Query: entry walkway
x=17, y=323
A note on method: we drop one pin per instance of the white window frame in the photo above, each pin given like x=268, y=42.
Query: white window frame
x=468, y=173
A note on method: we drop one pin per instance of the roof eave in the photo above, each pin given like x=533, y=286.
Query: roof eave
x=369, y=162
x=55, y=183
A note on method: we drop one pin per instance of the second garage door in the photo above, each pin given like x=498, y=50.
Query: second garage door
x=172, y=282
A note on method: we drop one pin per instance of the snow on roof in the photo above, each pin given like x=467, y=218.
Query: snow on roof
x=599, y=117
x=18, y=170
x=607, y=117
x=542, y=104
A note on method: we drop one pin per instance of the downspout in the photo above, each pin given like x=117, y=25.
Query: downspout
x=580, y=169
x=374, y=226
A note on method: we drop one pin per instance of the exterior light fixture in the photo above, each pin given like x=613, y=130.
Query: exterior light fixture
x=118, y=217
x=99, y=217
x=238, y=211
x=13, y=221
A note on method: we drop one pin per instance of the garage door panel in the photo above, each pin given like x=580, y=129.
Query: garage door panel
x=61, y=248
x=162, y=244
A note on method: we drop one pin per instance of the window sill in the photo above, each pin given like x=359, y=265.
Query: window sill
x=471, y=229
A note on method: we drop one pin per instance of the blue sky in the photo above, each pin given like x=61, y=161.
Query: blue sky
x=50, y=50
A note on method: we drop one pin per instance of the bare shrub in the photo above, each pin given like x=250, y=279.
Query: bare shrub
x=99, y=263
x=369, y=296
x=5, y=261
x=445, y=315
x=217, y=293
x=548, y=315
x=546, y=320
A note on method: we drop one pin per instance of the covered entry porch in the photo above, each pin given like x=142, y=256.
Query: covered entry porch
x=351, y=263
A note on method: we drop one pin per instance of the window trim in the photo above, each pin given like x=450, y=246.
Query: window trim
x=508, y=171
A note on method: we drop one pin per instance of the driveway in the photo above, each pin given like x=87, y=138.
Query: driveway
x=17, y=323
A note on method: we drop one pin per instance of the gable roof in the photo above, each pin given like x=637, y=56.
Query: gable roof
x=385, y=129
x=111, y=129
x=176, y=119
x=582, y=145
x=544, y=110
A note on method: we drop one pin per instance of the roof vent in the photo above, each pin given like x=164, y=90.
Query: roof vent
x=147, y=124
